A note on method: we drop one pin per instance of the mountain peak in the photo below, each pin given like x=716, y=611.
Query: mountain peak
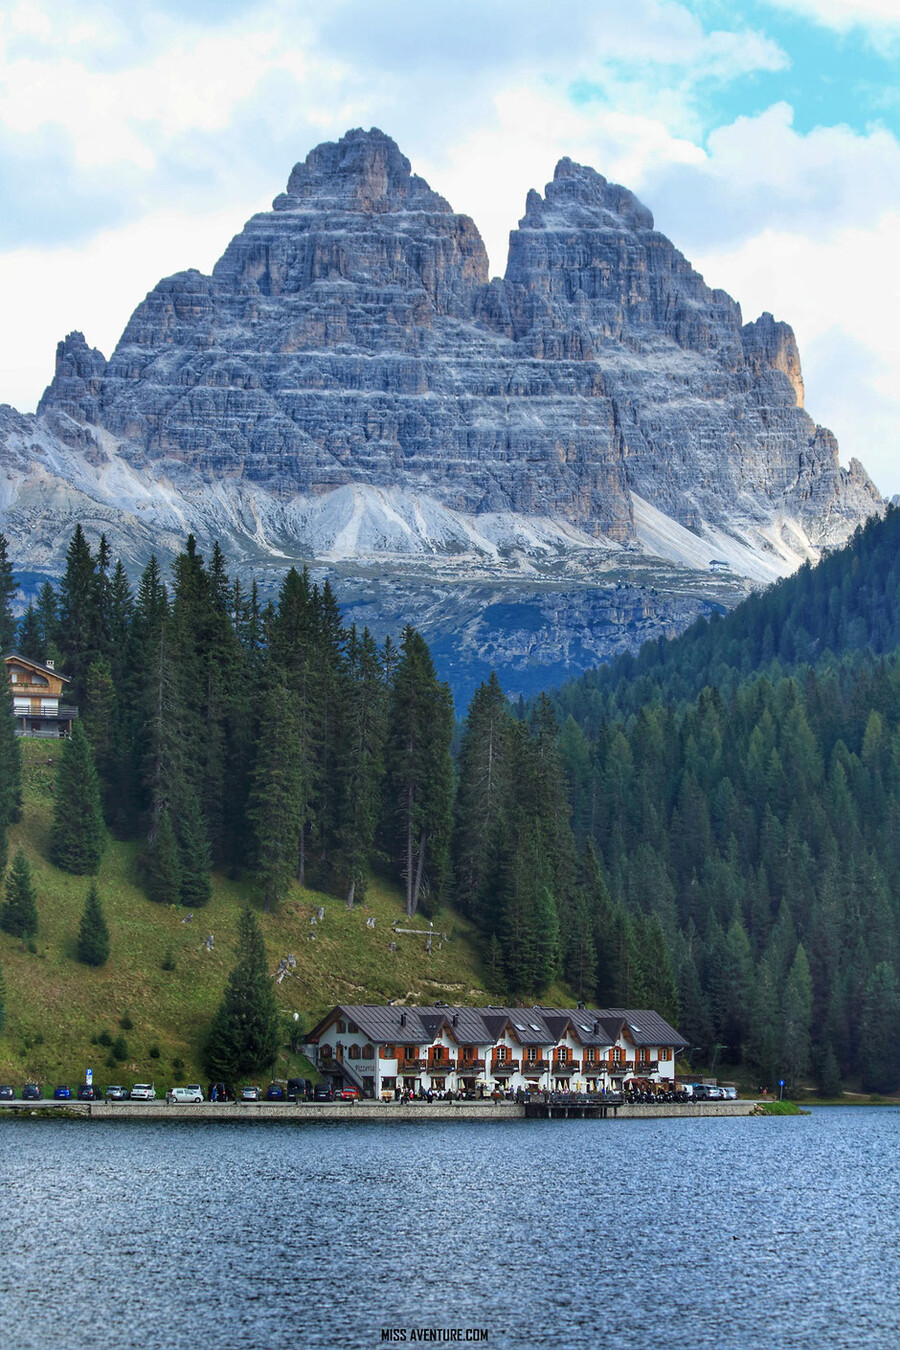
x=581, y=197
x=363, y=171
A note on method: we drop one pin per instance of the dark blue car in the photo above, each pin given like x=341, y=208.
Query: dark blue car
x=62, y=1093
x=274, y=1093
x=31, y=1093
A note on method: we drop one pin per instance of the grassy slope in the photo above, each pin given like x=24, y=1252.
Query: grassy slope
x=55, y=1005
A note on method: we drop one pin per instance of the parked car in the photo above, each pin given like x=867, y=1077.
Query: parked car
x=115, y=1093
x=701, y=1092
x=349, y=1094
x=31, y=1092
x=7, y=1093
x=192, y=1094
x=88, y=1093
x=717, y=1094
x=275, y=1093
x=731, y=1094
x=143, y=1092
x=62, y=1093
x=297, y=1088
x=323, y=1092
x=220, y=1092
x=250, y=1093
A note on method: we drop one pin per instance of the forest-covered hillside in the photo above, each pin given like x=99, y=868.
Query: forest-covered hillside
x=710, y=829
x=742, y=783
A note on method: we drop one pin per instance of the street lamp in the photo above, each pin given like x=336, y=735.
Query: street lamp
x=716, y=1050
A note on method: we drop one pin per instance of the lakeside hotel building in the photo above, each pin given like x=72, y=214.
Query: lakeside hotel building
x=383, y=1049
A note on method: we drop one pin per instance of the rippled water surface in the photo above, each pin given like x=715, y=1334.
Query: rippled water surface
x=730, y=1233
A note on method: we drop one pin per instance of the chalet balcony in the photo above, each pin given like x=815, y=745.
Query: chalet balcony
x=646, y=1065
x=502, y=1066
x=411, y=1065
x=441, y=1066
x=620, y=1066
x=469, y=1067
x=564, y=1066
x=535, y=1066
x=593, y=1068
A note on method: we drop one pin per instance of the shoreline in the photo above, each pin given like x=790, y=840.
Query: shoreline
x=359, y=1111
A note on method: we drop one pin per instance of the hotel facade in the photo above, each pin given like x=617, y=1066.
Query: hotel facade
x=383, y=1050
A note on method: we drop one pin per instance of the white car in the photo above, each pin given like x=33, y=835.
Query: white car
x=717, y=1094
x=143, y=1092
x=192, y=1093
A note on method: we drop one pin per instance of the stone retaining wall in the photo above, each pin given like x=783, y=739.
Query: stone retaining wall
x=358, y=1111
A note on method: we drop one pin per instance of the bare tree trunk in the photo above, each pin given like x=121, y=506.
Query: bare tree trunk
x=301, y=857
x=410, y=910
x=420, y=867
x=350, y=894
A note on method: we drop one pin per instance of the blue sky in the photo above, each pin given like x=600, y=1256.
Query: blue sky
x=765, y=137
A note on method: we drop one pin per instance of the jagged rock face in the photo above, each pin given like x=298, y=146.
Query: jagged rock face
x=350, y=335
x=349, y=383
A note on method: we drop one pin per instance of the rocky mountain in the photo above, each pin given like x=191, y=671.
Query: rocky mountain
x=350, y=388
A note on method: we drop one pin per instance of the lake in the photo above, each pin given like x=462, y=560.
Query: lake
x=726, y=1233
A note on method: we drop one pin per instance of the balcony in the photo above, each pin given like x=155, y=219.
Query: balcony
x=411, y=1065
x=501, y=1066
x=441, y=1066
x=645, y=1066
x=535, y=1066
x=564, y=1066
x=469, y=1067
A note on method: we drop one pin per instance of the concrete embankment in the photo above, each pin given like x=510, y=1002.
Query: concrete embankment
x=359, y=1111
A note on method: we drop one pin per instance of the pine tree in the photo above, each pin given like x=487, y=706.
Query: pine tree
x=28, y=636
x=79, y=611
x=161, y=865
x=93, y=935
x=99, y=714
x=243, y=1037
x=420, y=770
x=360, y=764
x=879, y=1027
x=19, y=914
x=194, y=853
x=277, y=794
x=796, y=1016
x=482, y=788
x=77, y=836
x=8, y=590
x=10, y=769
x=47, y=611
x=2, y=1000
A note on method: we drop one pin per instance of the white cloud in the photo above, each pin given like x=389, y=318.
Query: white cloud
x=835, y=292
x=160, y=127
x=93, y=288
x=842, y=15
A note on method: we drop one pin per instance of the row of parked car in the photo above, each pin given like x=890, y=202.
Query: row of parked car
x=296, y=1089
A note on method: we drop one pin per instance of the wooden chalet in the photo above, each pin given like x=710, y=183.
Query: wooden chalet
x=36, y=693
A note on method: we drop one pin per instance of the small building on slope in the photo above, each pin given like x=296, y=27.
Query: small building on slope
x=36, y=694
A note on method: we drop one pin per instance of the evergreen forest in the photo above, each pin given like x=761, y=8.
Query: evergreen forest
x=710, y=828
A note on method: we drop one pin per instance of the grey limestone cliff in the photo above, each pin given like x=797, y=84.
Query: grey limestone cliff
x=349, y=383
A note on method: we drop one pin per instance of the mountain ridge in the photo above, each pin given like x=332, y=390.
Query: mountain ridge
x=349, y=385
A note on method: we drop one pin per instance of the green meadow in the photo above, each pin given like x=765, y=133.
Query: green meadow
x=161, y=985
